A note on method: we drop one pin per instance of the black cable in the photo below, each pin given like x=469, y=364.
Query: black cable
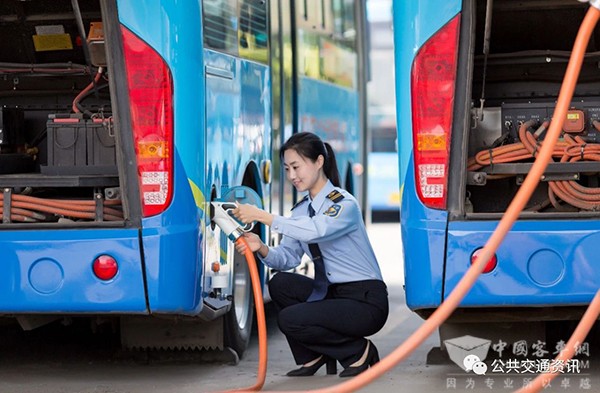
x=93, y=91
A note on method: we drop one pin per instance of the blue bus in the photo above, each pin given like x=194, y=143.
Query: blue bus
x=472, y=82
x=122, y=120
x=383, y=194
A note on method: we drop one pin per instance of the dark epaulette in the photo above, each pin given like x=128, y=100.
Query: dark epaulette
x=335, y=196
x=301, y=201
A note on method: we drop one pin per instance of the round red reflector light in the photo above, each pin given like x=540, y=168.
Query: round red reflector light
x=491, y=265
x=105, y=267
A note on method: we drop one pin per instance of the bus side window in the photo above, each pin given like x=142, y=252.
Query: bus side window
x=220, y=20
x=344, y=24
x=253, y=34
x=338, y=61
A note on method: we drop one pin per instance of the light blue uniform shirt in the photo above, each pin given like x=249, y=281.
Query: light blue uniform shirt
x=338, y=229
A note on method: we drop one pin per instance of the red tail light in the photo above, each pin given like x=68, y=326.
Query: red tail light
x=151, y=101
x=105, y=267
x=432, y=89
x=490, y=265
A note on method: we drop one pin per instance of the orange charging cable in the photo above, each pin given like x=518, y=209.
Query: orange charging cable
x=260, y=320
x=504, y=226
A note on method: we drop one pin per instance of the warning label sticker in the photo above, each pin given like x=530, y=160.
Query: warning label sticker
x=52, y=42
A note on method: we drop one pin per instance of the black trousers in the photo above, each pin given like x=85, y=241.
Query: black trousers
x=335, y=326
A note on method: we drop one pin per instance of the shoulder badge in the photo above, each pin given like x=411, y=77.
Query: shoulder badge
x=301, y=201
x=335, y=196
x=334, y=211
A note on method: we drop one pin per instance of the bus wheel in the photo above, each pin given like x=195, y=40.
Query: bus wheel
x=238, y=321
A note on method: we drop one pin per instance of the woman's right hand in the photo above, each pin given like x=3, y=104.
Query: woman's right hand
x=254, y=243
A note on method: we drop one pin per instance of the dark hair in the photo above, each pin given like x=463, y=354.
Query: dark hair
x=311, y=146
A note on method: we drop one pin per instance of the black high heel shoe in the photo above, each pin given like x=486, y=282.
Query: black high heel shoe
x=310, y=370
x=372, y=358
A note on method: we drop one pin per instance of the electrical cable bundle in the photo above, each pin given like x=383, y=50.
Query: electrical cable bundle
x=569, y=149
x=24, y=208
x=46, y=69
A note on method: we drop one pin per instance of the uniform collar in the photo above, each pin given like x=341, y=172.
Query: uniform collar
x=320, y=198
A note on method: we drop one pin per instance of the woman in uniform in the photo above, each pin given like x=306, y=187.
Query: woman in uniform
x=324, y=319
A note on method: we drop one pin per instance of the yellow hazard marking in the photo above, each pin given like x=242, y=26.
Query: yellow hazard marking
x=198, y=195
x=49, y=42
x=223, y=255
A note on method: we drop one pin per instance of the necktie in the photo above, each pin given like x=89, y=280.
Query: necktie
x=320, y=282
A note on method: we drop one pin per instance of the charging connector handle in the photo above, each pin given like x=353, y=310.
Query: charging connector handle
x=229, y=225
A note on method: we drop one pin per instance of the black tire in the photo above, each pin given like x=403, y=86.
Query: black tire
x=238, y=321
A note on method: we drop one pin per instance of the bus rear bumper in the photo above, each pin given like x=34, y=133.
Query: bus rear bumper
x=50, y=272
x=540, y=264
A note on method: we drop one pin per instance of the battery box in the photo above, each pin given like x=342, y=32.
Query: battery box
x=100, y=144
x=80, y=147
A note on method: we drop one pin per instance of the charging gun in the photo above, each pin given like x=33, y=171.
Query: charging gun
x=223, y=217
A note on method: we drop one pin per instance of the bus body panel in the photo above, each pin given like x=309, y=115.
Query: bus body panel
x=423, y=230
x=424, y=237
x=549, y=263
x=45, y=271
x=254, y=133
x=171, y=240
x=238, y=113
x=172, y=253
x=222, y=111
